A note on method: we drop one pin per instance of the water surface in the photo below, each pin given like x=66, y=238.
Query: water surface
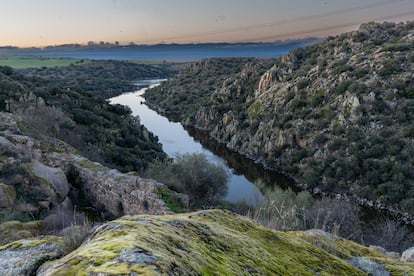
x=175, y=139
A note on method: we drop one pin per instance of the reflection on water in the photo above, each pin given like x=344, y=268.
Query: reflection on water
x=240, y=164
x=175, y=139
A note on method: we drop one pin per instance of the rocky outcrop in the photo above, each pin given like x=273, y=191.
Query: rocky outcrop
x=408, y=255
x=25, y=256
x=115, y=193
x=213, y=241
x=47, y=179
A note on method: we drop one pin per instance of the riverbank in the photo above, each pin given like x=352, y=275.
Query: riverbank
x=255, y=170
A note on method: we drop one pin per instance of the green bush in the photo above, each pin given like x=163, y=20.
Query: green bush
x=194, y=175
x=343, y=86
x=389, y=67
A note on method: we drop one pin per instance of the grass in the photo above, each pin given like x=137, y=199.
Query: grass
x=23, y=62
x=169, y=199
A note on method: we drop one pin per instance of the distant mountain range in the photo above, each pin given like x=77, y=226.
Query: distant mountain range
x=161, y=52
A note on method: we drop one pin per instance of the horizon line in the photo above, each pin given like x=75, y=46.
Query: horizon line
x=107, y=43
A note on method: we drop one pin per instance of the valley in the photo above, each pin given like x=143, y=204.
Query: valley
x=238, y=165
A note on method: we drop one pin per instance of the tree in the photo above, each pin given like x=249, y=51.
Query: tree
x=194, y=175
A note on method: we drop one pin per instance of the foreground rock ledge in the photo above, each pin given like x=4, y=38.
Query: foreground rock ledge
x=216, y=243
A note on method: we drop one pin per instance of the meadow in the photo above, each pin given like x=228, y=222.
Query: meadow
x=23, y=62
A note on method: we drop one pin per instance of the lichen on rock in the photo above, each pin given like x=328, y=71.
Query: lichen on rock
x=15, y=230
x=211, y=242
x=24, y=257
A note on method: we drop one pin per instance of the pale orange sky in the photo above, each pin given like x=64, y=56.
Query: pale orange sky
x=53, y=22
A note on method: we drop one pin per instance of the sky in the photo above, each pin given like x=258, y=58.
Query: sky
x=53, y=22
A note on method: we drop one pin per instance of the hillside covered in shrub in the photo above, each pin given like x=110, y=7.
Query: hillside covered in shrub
x=337, y=116
x=102, y=132
x=105, y=78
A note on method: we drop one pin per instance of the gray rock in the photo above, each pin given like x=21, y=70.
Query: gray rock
x=136, y=256
x=408, y=255
x=393, y=255
x=5, y=143
x=378, y=248
x=67, y=205
x=318, y=232
x=54, y=176
x=118, y=193
x=369, y=266
x=24, y=257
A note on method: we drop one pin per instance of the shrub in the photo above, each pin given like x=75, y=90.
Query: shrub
x=335, y=216
x=389, y=67
x=390, y=233
x=409, y=92
x=194, y=175
x=301, y=84
x=343, y=86
x=283, y=209
x=361, y=72
x=74, y=236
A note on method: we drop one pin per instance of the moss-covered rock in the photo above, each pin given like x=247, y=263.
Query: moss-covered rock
x=15, y=230
x=368, y=259
x=211, y=243
x=23, y=257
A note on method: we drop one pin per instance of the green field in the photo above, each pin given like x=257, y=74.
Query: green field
x=22, y=62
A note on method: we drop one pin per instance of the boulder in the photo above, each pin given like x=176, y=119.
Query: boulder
x=55, y=176
x=7, y=196
x=4, y=143
x=24, y=257
x=408, y=255
x=393, y=255
x=378, y=248
x=369, y=266
x=14, y=230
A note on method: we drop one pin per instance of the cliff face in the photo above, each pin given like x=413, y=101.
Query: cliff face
x=337, y=116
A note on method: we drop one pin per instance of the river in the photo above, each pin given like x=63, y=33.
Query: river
x=243, y=172
x=177, y=140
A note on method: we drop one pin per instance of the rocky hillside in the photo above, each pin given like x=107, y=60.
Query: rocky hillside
x=46, y=185
x=202, y=243
x=336, y=116
x=192, y=88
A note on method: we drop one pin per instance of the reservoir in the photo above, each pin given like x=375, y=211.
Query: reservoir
x=177, y=140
